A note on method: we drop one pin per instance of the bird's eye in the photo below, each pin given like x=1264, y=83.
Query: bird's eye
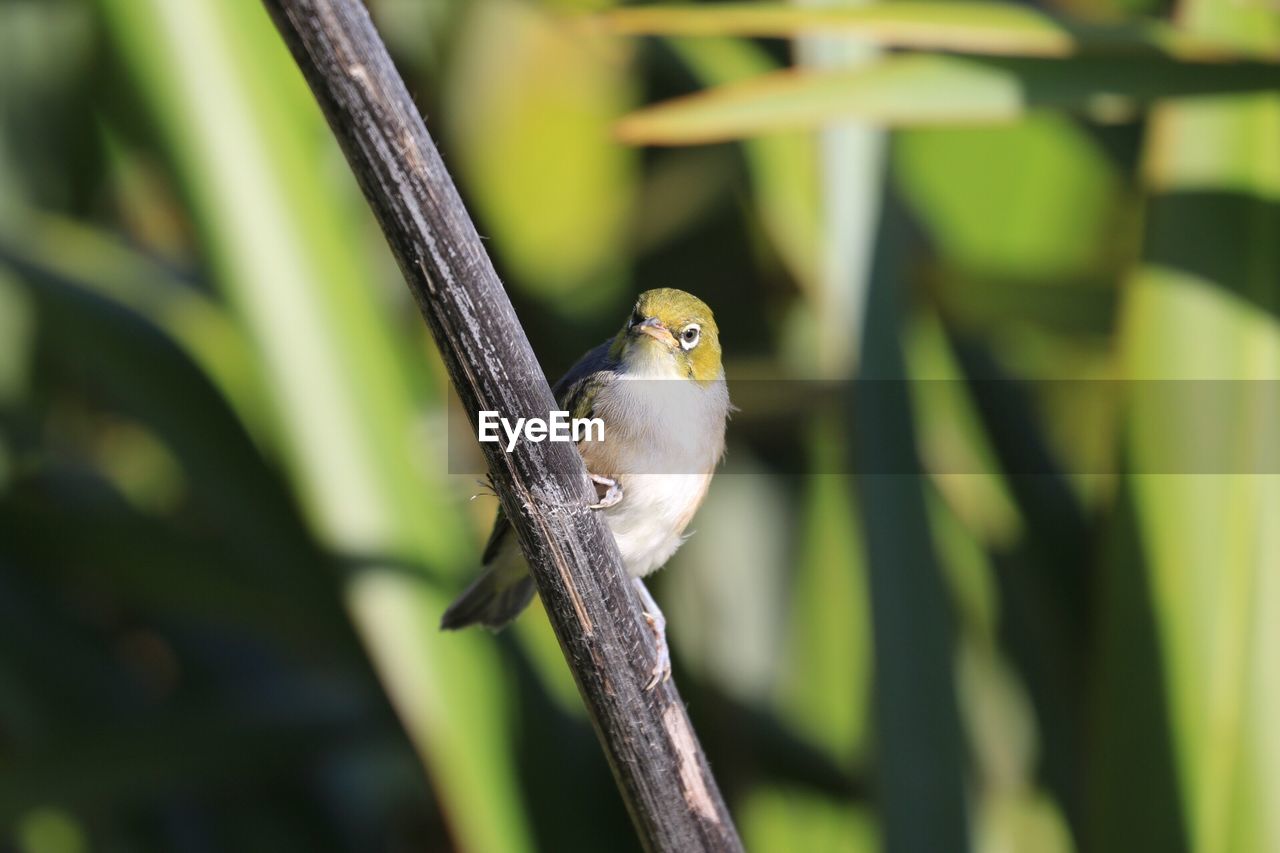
x=689, y=337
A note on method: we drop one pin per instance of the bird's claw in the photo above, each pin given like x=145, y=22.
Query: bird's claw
x=662, y=667
x=613, y=491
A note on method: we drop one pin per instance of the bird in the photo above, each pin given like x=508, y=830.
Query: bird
x=659, y=387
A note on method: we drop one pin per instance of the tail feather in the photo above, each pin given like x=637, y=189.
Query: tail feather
x=492, y=600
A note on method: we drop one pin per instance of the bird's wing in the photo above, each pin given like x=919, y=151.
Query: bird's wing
x=501, y=528
x=575, y=392
x=595, y=361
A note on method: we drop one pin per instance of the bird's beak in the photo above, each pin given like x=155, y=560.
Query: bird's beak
x=653, y=327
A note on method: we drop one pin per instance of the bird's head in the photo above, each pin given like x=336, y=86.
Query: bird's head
x=670, y=334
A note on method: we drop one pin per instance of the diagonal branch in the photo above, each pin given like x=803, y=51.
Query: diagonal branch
x=657, y=762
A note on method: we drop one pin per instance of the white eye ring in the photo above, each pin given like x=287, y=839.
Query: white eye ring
x=690, y=335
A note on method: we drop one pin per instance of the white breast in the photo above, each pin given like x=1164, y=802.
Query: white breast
x=664, y=439
x=649, y=522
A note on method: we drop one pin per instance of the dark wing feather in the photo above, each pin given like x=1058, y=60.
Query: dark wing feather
x=501, y=527
x=594, y=361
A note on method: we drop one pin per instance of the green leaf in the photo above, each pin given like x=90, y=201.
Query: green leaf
x=1204, y=305
x=1209, y=535
x=913, y=90
x=824, y=694
x=987, y=28
x=778, y=818
x=259, y=166
x=48, y=248
x=529, y=100
x=919, y=743
x=783, y=167
x=983, y=194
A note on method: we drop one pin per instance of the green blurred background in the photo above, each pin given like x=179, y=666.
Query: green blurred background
x=228, y=528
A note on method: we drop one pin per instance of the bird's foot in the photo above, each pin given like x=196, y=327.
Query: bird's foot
x=658, y=625
x=612, y=493
x=662, y=667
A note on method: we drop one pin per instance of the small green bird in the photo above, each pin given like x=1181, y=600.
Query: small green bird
x=659, y=388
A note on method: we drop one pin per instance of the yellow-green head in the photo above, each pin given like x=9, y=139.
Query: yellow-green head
x=670, y=333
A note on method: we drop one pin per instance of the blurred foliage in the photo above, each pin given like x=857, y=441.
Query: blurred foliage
x=228, y=526
x=532, y=99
